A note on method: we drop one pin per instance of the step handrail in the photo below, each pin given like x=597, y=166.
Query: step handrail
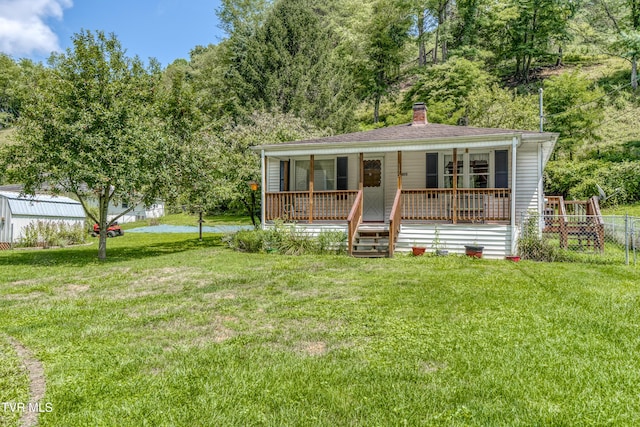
x=394, y=221
x=354, y=220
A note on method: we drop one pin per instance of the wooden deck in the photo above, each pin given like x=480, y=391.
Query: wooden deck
x=580, y=220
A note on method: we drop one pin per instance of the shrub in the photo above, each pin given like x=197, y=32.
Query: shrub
x=50, y=233
x=247, y=241
x=533, y=246
x=288, y=240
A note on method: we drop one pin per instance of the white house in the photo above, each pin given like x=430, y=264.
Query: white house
x=139, y=213
x=400, y=185
x=17, y=212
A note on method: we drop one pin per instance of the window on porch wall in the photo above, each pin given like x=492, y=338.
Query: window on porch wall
x=479, y=170
x=324, y=175
x=475, y=173
x=448, y=171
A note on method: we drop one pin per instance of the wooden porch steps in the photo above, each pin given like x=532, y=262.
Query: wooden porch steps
x=371, y=241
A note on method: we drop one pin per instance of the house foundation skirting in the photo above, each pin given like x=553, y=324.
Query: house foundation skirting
x=496, y=238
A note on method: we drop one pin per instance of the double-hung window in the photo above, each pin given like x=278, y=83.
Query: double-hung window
x=474, y=170
x=328, y=174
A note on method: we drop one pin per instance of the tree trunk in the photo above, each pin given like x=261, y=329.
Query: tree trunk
x=376, y=107
x=422, y=49
x=634, y=73
x=443, y=19
x=103, y=203
x=559, y=60
x=435, y=48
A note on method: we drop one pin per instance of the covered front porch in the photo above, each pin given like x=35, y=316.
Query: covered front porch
x=423, y=205
x=382, y=189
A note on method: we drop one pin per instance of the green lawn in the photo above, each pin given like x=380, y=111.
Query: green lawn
x=192, y=219
x=172, y=331
x=631, y=210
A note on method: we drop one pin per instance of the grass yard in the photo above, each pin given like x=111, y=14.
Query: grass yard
x=192, y=220
x=172, y=331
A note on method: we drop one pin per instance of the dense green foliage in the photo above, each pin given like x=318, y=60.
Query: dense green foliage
x=89, y=127
x=289, y=240
x=320, y=68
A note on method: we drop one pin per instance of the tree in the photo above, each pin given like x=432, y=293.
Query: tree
x=446, y=87
x=238, y=16
x=624, y=19
x=15, y=79
x=233, y=162
x=534, y=24
x=388, y=31
x=494, y=107
x=89, y=127
x=287, y=65
x=573, y=107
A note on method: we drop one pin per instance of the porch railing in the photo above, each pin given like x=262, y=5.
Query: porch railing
x=305, y=206
x=437, y=204
x=471, y=204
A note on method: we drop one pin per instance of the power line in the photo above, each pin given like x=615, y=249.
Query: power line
x=575, y=107
x=616, y=118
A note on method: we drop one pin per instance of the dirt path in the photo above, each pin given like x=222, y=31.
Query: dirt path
x=36, y=382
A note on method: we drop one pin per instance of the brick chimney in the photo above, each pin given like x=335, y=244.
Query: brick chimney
x=419, y=114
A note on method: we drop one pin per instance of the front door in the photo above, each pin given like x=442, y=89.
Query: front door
x=373, y=189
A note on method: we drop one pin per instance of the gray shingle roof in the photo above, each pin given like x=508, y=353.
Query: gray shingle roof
x=410, y=132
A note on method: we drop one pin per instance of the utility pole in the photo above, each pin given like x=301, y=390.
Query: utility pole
x=540, y=91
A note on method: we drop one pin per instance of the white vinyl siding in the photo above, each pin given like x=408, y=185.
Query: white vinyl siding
x=273, y=175
x=528, y=180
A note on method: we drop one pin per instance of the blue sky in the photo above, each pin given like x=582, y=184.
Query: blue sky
x=164, y=29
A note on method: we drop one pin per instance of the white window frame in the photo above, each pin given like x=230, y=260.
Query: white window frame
x=334, y=179
x=466, y=176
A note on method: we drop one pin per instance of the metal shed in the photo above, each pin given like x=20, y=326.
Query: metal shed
x=18, y=211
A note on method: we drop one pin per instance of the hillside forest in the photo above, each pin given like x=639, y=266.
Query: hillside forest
x=294, y=69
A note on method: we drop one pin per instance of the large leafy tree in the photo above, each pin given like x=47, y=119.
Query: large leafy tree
x=446, y=87
x=387, y=34
x=90, y=127
x=621, y=23
x=573, y=108
x=532, y=26
x=234, y=164
x=287, y=65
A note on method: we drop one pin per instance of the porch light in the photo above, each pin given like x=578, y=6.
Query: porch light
x=253, y=185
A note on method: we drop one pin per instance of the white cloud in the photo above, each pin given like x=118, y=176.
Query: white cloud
x=23, y=27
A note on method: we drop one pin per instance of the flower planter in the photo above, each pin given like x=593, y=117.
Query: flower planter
x=417, y=251
x=473, y=251
x=513, y=258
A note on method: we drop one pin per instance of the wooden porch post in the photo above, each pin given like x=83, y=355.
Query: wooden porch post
x=311, y=180
x=399, y=170
x=454, y=201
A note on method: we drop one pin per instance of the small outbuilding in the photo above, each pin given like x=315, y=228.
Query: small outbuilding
x=18, y=211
